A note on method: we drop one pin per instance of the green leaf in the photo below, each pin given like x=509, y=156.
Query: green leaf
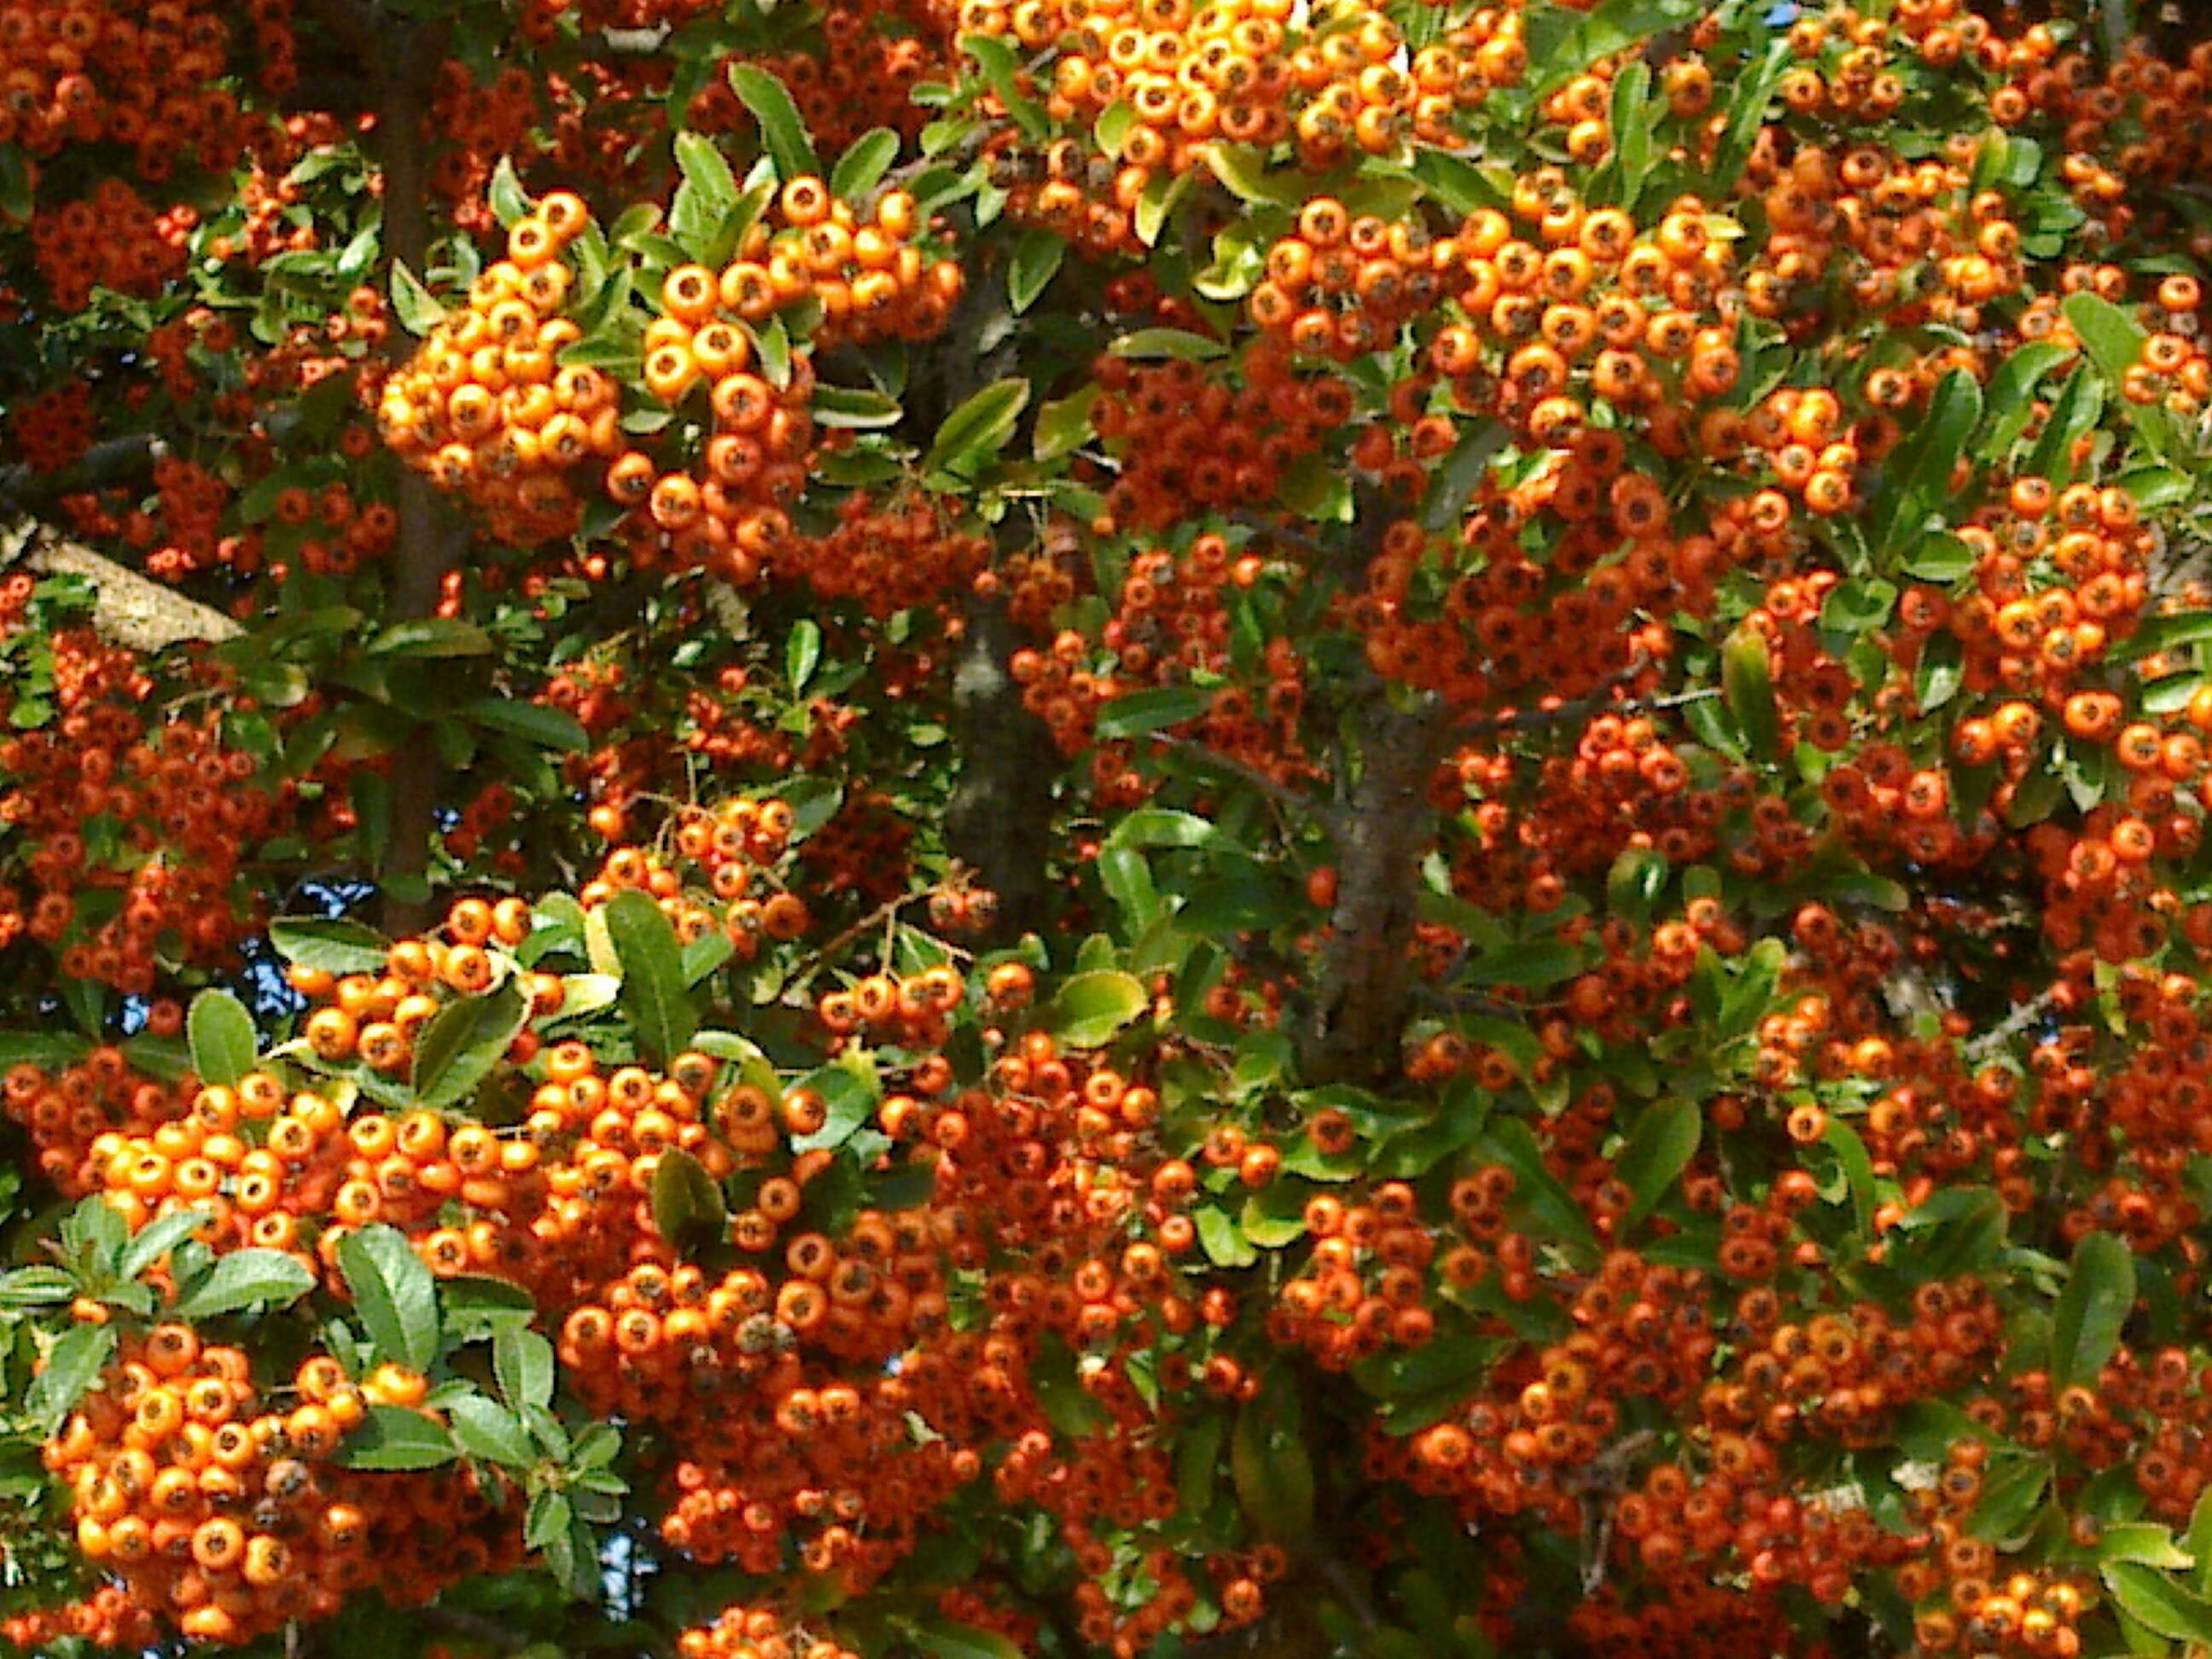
x=1064, y=425
x=687, y=1205
x=2197, y=1541
x=655, y=994
x=158, y=1237
x=391, y=1438
x=533, y=722
x=2011, y=1491
x=548, y=1519
x=223, y=1040
x=1223, y=1240
x=2157, y=1602
x=704, y=199
x=2144, y=1541
x=781, y=130
x=2079, y=406
x=484, y=1429
x=1092, y=1007
x=1242, y=171
x=16, y=202
x=1272, y=1469
x=849, y=1099
x=855, y=410
x=1537, y=1192
x=432, y=637
x=2085, y=1325
x=78, y=1355
x=50, y=1051
x=1747, y=683
x=1458, y=183
x=1176, y=343
x=329, y=946
x=1532, y=964
x=1150, y=709
x=2011, y=394
x=243, y=1278
x=418, y=313
x=33, y=1287
x=1632, y=122
x=394, y=1293
x=1749, y=98
x=1936, y=677
x=802, y=650
x=981, y=424
x=464, y=1042
x=1161, y=826
x=1916, y=476
x=1660, y=1146
x=941, y=1639
x=1463, y=473
x=2114, y=342
x=1036, y=258
x=1001, y=71
x=1163, y=192
x=508, y=199
x=864, y=163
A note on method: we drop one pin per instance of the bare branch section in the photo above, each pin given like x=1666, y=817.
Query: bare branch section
x=1000, y=820
x=129, y=609
x=1364, y=987
x=401, y=56
x=25, y=491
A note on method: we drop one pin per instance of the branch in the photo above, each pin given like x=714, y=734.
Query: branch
x=356, y=25
x=131, y=610
x=2018, y=1020
x=998, y=822
x=1366, y=981
x=25, y=491
x=403, y=59
x=1321, y=812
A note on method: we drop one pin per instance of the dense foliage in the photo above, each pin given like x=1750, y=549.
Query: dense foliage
x=1141, y=827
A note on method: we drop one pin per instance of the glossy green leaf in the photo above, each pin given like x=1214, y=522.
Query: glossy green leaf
x=653, y=993
x=1150, y=709
x=1748, y=685
x=864, y=163
x=2114, y=342
x=2158, y=1602
x=533, y=722
x=1661, y=1144
x=418, y=313
x=1273, y=1470
x=1002, y=73
x=78, y=1356
x=1092, y=1007
x=979, y=426
x=687, y=1205
x=330, y=944
x=391, y=1438
x=781, y=130
x=1035, y=260
x=2085, y=1324
x=1917, y=474
x=243, y=1278
x=394, y=1293
x=465, y=1041
x=223, y=1041
x=484, y=1429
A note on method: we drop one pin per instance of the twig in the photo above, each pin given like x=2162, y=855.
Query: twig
x=1334, y=1570
x=2010, y=1026
x=1321, y=812
x=1580, y=709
